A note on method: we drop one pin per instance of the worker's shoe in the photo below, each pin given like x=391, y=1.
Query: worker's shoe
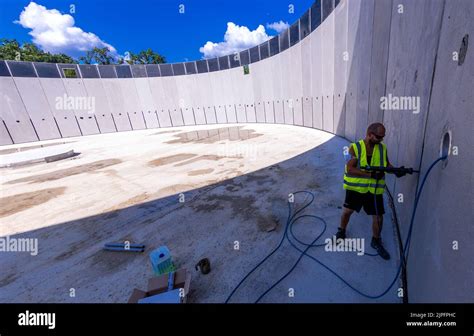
x=377, y=244
x=341, y=234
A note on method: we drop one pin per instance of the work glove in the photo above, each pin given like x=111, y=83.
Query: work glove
x=377, y=175
x=400, y=173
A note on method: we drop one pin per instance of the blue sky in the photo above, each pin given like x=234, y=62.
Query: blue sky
x=156, y=24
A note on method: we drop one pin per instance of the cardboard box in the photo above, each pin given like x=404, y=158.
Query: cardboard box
x=161, y=284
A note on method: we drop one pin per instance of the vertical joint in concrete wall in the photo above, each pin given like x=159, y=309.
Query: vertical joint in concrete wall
x=8, y=132
x=113, y=120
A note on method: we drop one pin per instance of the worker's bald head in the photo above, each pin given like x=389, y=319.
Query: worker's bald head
x=376, y=128
x=375, y=133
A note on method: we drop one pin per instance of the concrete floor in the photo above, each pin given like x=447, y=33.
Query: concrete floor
x=235, y=180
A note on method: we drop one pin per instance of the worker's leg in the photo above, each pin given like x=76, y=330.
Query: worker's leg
x=346, y=215
x=373, y=206
x=377, y=223
x=353, y=202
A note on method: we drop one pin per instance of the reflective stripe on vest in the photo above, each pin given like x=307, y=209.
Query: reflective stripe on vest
x=367, y=184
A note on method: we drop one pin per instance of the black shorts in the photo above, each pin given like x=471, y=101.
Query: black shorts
x=356, y=201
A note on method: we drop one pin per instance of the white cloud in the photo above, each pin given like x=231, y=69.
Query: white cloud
x=55, y=32
x=236, y=38
x=278, y=26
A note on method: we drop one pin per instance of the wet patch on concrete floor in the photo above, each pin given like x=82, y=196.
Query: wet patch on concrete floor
x=200, y=158
x=170, y=159
x=130, y=202
x=200, y=172
x=166, y=132
x=62, y=173
x=20, y=202
x=235, y=133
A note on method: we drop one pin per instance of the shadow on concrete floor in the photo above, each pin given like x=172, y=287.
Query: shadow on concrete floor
x=250, y=210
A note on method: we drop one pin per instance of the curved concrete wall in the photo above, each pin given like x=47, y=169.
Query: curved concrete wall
x=329, y=72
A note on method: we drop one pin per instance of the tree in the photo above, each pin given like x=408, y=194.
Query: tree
x=146, y=57
x=10, y=49
x=99, y=56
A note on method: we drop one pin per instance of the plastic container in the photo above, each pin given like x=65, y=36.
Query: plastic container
x=161, y=261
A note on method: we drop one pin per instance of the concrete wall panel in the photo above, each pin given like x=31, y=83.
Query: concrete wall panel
x=210, y=115
x=266, y=85
x=250, y=113
x=260, y=111
x=318, y=112
x=276, y=78
x=230, y=113
x=340, y=66
x=102, y=112
x=133, y=105
x=117, y=104
x=258, y=80
x=240, y=112
x=5, y=138
x=147, y=103
x=279, y=112
x=75, y=90
x=286, y=73
x=164, y=117
x=306, y=66
x=200, y=115
x=328, y=113
x=269, y=112
x=298, y=111
x=378, y=69
x=151, y=119
x=308, y=111
x=176, y=116
x=14, y=114
x=288, y=107
x=37, y=106
x=350, y=124
x=221, y=114
x=295, y=68
x=327, y=45
x=185, y=89
x=188, y=116
x=204, y=95
x=410, y=68
x=65, y=119
x=170, y=92
x=436, y=271
x=316, y=77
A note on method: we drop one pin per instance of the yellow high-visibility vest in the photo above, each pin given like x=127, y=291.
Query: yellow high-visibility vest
x=367, y=184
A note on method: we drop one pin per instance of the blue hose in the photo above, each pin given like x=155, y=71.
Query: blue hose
x=289, y=229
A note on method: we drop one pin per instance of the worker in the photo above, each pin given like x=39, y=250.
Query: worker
x=365, y=189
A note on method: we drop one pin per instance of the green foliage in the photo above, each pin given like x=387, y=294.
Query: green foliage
x=70, y=73
x=246, y=70
x=11, y=50
x=146, y=57
x=99, y=56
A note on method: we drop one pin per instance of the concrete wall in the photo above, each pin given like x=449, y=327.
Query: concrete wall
x=332, y=79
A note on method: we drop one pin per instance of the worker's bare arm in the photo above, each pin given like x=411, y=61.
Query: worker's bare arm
x=352, y=166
